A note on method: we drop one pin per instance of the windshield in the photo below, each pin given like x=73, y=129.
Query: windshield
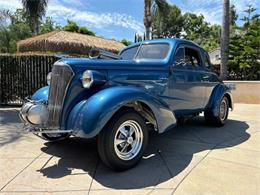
x=146, y=51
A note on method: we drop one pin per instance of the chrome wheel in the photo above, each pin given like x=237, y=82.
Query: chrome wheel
x=128, y=140
x=223, y=110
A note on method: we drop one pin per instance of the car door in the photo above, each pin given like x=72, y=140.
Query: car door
x=185, y=88
x=209, y=79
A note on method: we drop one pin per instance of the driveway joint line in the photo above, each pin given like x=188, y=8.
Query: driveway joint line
x=94, y=174
x=193, y=169
x=21, y=171
x=232, y=162
x=165, y=163
x=46, y=163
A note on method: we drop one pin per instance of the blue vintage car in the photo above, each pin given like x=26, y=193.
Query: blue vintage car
x=149, y=86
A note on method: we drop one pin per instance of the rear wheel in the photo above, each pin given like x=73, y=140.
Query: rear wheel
x=219, y=120
x=122, y=142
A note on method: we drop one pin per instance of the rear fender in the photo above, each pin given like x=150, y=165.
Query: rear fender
x=91, y=115
x=218, y=92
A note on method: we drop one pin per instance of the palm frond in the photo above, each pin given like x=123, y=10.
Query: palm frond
x=35, y=8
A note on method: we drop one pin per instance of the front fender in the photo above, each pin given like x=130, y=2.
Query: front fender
x=41, y=94
x=218, y=92
x=91, y=115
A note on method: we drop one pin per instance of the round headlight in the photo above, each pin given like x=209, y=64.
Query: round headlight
x=49, y=78
x=87, y=79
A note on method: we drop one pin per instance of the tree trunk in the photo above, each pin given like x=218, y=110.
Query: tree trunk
x=225, y=39
x=147, y=19
x=36, y=26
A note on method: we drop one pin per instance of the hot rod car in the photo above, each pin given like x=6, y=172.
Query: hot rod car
x=149, y=85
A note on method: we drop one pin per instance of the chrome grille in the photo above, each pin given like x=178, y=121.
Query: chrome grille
x=60, y=80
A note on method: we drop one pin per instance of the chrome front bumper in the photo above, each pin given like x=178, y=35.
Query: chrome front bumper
x=34, y=115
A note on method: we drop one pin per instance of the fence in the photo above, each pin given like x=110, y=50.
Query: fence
x=21, y=75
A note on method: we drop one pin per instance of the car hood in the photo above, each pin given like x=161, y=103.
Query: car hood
x=78, y=64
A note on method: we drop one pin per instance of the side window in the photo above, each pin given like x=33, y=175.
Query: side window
x=206, y=60
x=192, y=57
x=129, y=54
x=153, y=51
x=179, y=56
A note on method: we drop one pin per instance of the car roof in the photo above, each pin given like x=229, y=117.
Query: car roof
x=171, y=41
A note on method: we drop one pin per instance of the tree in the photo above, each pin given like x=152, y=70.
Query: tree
x=224, y=39
x=233, y=15
x=138, y=38
x=4, y=15
x=244, y=48
x=36, y=9
x=71, y=26
x=86, y=31
x=126, y=42
x=148, y=19
x=47, y=26
x=16, y=26
x=17, y=29
x=5, y=40
x=195, y=28
x=201, y=32
x=167, y=21
x=150, y=8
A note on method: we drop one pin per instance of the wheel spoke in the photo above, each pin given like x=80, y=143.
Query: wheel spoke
x=131, y=131
x=123, y=131
x=119, y=141
x=124, y=148
x=133, y=143
x=128, y=140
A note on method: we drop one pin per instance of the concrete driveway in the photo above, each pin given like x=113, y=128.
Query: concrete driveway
x=190, y=159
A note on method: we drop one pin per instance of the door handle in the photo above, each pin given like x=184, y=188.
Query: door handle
x=205, y=77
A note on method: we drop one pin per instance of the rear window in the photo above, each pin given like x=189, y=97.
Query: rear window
x=153, y=51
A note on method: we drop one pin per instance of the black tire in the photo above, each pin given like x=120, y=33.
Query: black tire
x=59, y=137
x=219, y=120
x=108, y=152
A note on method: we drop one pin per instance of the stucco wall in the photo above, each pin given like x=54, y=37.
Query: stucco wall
x=246, y=91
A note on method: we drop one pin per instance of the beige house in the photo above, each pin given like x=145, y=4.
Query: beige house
x=68, y=43
x=215, y=56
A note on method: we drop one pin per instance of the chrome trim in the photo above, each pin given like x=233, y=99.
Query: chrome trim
x=38, y=129
x=90, y=74
x=28, y=117
x=57, y=124
x=128, y=140
x=52, y=131
x=223, y=110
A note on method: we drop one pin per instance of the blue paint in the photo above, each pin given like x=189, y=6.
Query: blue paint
x=41, y=94
x=169, y=90
x=91, y=115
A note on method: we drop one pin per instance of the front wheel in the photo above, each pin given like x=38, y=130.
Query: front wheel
x=122, y=142
x=53, y=137
x=219, y=120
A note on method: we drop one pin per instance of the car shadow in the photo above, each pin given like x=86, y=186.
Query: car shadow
x=167, y=154
x=10, y=126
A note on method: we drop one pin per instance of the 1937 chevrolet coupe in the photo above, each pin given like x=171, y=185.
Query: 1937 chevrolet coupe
x=150, y=85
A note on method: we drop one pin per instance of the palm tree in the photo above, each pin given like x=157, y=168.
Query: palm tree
x=4, y=14
x=36, y=9
x=150, y=7
x=225, y=39
x=148, y=19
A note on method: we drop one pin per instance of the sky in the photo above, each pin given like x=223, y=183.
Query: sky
x=123, y=18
